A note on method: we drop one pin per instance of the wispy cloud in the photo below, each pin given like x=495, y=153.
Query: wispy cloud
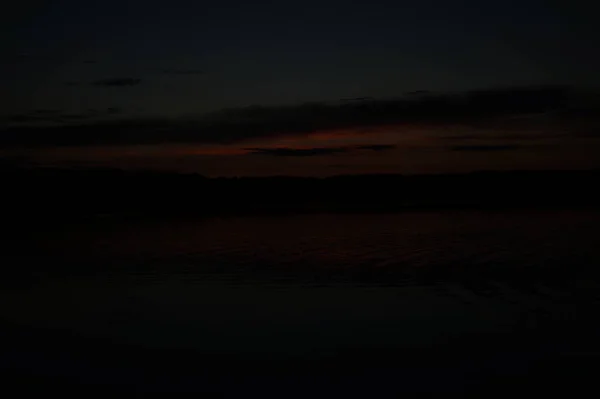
x=485, y=148
x=117, y=82
x=46, y=111
x=113, y=110
x=355, y=99
x=316, y=151
x=182, y=71
x=504, y=136
x=59, y=116
x=417, y=93
x=297, y=152
x=376, y=147
x=478, y=113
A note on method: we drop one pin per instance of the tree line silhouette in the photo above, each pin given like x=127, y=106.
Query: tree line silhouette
x=64, y=193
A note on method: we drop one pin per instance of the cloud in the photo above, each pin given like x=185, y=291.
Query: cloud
x=376, y=147
x=117, y=82
x=592, y=133
x=485, y=148
x=73, y=117
x=316, y=151
x=24, y=118
x=113, y=110
x=183, y=71
x=356, y=99
x=476, y=107
x=482, y=109
x=22, y=58
x=502, y=136
x=417, y=93
x=57, y=116
x=460, y=137
x=296, y=152
x=46, y=111
x=45, y=118
x=92, y=132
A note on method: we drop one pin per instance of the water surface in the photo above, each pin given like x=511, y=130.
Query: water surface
x=397, y=279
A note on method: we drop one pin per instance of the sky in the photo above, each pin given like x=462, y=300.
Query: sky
x=157, y=85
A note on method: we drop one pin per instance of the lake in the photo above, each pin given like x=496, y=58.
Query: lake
x=315, y=284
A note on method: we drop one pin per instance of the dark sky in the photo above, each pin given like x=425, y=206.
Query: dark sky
x=115, y=60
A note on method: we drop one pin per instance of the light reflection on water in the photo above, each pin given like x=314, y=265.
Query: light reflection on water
x=337, y=278
x=359, y=249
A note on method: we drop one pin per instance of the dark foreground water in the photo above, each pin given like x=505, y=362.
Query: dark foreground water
x=307, y=305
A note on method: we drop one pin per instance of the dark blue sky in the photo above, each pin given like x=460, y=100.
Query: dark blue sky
x=282, y=52
x=128, y=83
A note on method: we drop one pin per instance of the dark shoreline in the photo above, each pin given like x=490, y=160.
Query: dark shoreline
x=64, y=195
